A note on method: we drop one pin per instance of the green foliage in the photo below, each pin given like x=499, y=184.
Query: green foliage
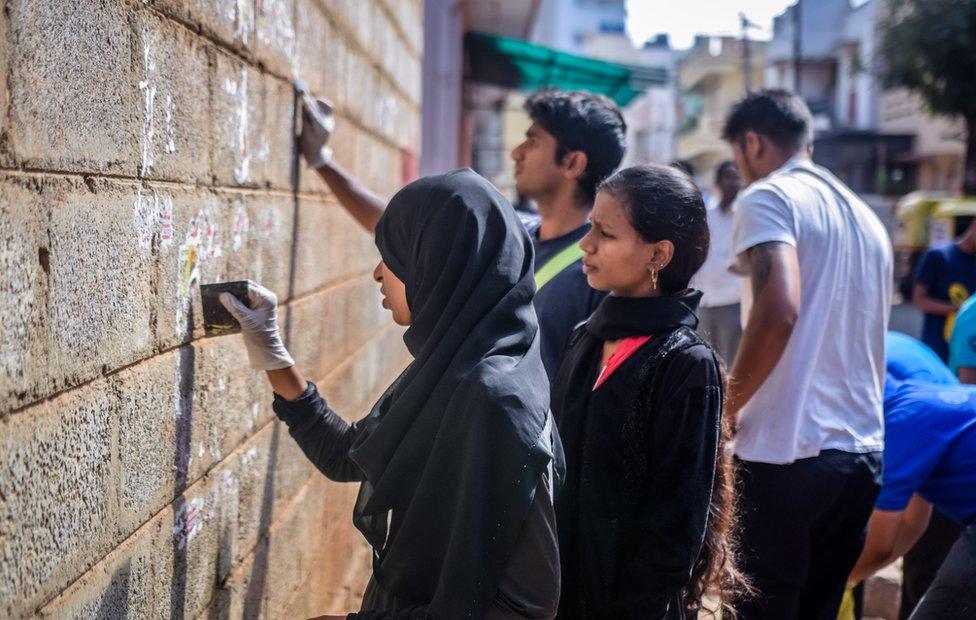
x=929, y=46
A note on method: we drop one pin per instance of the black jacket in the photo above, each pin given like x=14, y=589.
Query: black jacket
x=640, y=454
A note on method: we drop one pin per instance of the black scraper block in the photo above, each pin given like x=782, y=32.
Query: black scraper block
x=217, y=321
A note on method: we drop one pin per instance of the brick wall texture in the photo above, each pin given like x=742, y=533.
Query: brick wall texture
x=146, y=146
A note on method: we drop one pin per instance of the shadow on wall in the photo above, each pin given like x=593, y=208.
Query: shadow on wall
x=181, y=465
x=114, y=602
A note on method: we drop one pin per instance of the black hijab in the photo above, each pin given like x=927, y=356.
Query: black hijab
x=453, y=448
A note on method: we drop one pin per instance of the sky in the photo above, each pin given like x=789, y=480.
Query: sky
x=683, y=19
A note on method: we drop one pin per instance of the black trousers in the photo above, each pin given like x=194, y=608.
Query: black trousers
x=923, y=560
x=803, y=527
x=952, y=595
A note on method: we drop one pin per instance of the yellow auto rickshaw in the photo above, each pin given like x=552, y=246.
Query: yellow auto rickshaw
x=914, y=214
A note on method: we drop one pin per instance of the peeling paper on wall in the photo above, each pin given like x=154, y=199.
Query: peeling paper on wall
x=200, y=244
x=166, y=221
x=144, y=216
x=152, y=213
x=188, y=522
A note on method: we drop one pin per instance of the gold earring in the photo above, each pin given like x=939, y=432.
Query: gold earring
x=654, y=278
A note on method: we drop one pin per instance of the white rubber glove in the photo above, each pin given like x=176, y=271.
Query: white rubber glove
x=318, y=123
x=259, y=326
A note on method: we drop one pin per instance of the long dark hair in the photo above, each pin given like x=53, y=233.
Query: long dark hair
x=664, y=203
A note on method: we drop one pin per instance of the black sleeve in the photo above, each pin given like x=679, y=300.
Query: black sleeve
x=682, y=441
x=323, y=436
x=406, y=613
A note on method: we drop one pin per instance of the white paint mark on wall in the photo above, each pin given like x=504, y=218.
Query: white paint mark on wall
x=247, y=460
x=168, y=127
x=275, y=29
x=387, y=113
x=238, y=14
x=149, y=90
x=240, y=126
x=241, y=226
x=144, y=216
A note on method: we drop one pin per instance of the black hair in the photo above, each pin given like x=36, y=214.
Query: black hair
x=685, y=166
x=582, y=121
x=780, y=115
x=723, y=167
x=961, y=223
x=664, y=203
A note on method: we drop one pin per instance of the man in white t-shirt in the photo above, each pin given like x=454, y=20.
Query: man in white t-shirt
x=806, y=386
x=719, y=310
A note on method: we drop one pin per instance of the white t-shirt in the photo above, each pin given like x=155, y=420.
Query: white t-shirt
x=719, y=285
x=826, y=390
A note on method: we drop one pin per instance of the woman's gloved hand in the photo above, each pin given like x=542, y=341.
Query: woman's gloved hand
x=318, y=123
x=259, y=326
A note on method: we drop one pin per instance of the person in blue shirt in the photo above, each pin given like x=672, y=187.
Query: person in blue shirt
x=944, y=279
x=907, y=358
x=962, y=345
x=929, y=461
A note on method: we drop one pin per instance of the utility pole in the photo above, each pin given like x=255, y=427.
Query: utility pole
x=745, y=25
x=797, y=40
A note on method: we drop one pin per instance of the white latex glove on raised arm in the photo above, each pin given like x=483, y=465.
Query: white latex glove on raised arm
x=259, y=326
x=318, y=123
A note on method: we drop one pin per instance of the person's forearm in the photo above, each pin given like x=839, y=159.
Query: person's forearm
x=922, y=301
x=363, y=205
x=870, y=562
x=287, y=382
x=763, y=342
x=931, y=306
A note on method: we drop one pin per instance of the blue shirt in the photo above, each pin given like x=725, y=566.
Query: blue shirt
x=962, y=346
x=565, y=301
x=930, y=447
x=949, y=275
x=907, y=358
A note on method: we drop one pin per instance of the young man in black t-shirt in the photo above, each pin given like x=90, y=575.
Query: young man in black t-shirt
x=575, y=141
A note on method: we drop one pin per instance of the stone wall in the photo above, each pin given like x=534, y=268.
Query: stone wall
x=146, y=148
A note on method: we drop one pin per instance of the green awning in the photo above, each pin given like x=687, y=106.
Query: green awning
x=517, y=64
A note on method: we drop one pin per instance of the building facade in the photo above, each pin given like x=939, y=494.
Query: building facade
x=711, y=76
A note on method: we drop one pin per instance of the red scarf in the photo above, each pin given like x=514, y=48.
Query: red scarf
x=626, y=348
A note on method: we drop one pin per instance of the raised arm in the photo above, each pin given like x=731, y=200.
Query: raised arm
x=317, y=125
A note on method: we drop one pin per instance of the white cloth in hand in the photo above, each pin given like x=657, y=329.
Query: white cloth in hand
x=318, y=123
x=259, y=326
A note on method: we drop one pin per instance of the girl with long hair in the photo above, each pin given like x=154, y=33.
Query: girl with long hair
x=646, y=515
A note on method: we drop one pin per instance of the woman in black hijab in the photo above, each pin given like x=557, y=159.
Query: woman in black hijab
x=645, y=516
x=455, y=459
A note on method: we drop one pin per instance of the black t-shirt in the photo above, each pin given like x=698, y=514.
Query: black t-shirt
x=565, y=301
